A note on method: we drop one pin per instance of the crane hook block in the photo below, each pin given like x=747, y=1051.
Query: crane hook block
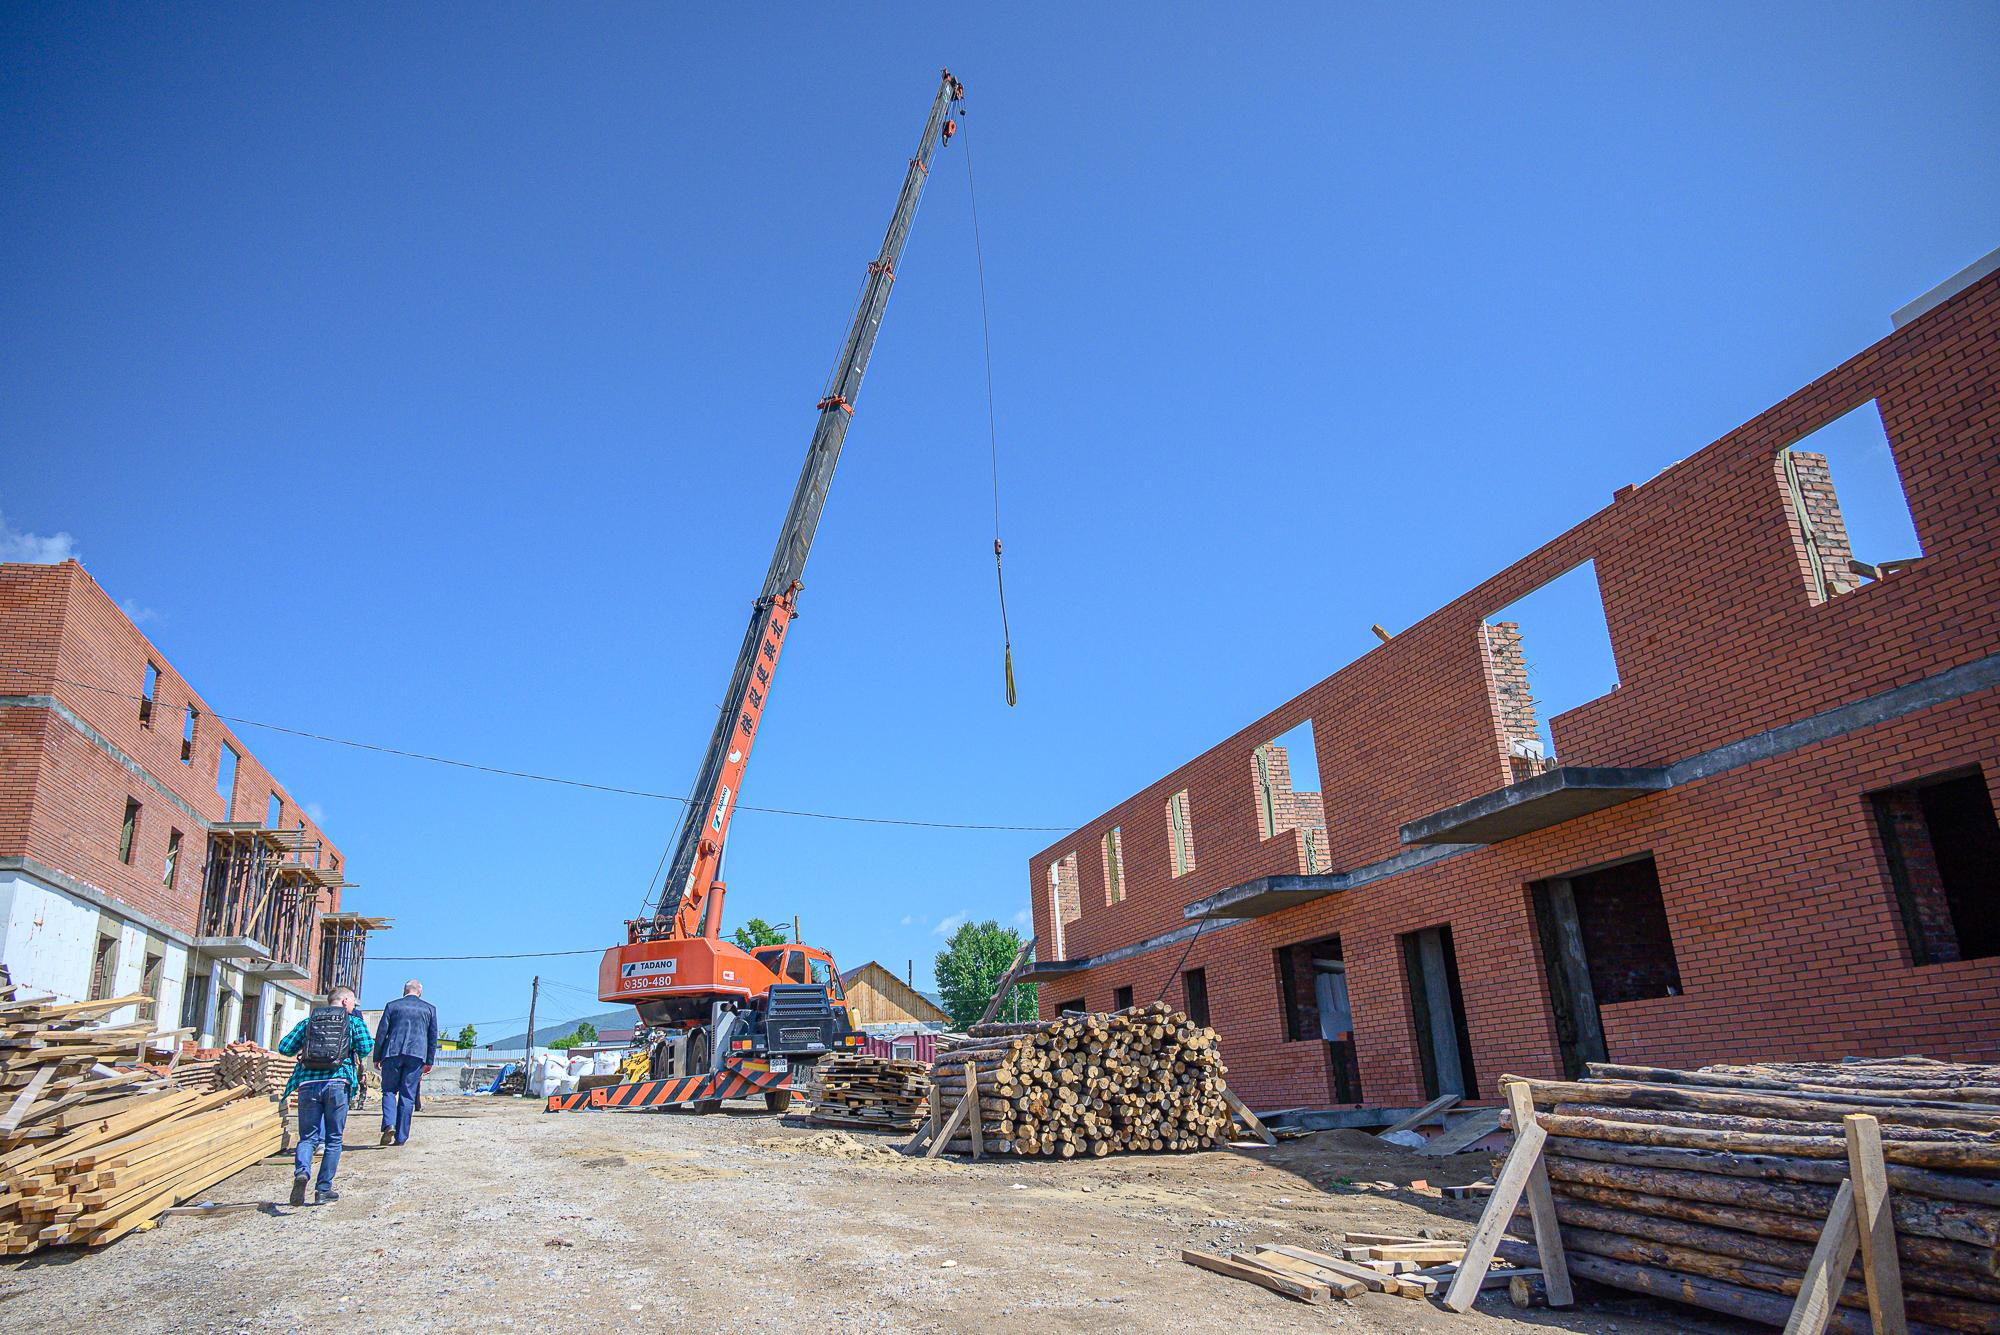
x=836, y=401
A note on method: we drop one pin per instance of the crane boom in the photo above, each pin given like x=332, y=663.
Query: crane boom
x=685, y=907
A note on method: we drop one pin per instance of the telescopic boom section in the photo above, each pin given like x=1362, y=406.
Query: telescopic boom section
x=686, y=908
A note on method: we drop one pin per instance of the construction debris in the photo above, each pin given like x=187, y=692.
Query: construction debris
x=1365, y=1265
x=1147, y=1078
x=1749, y=1190
x=856, y=1089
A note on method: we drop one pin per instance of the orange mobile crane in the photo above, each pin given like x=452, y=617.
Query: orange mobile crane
x=722, y=1021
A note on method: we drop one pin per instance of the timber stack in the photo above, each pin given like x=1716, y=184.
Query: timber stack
x=856, y=1089
x=1147, y=1078
x=1712, y=1186
x=56, y=1059
x=253, y=1067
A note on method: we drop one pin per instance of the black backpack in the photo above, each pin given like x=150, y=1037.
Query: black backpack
x=328, y=1043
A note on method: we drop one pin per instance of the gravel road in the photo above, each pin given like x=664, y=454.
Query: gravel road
x=498, y=1217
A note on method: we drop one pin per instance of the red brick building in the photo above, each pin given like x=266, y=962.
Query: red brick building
x=1774, y=835
x=143, y=847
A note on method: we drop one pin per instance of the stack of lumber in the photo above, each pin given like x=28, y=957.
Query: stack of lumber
x=855, y=1089
x=55, y=1059
x=253, y=1067
x=197, y=1069
x=118, y=1168
x=1147, y=1078
x=1713, y=1186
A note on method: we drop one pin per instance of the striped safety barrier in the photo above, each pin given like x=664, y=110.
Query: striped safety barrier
x=644, y=1095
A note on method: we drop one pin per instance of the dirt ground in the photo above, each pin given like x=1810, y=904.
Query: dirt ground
x=499, y=1217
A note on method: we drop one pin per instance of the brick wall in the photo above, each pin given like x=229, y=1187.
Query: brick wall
x=1772, y=876
x=62, y=795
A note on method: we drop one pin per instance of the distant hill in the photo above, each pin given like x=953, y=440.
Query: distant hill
x=623, y=1018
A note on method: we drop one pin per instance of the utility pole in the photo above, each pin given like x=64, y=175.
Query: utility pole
x=795, y=928
x=533, y=997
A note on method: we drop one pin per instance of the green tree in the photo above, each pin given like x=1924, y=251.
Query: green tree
x=586, y=1032
x=970, y=967
x=757, y=933
x=468, y=1036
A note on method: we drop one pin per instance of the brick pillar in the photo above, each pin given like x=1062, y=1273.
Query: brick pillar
x=1513, y=700
x=1829, y=530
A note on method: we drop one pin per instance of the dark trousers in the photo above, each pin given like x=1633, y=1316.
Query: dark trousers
x=401, y=1077
x=322, y=1121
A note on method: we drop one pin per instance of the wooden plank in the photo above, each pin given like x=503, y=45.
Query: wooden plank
x=1382, y=1239
x=957, y=1116
x=15, y=1114
x=1522, y=1160
x=1007, y=981
x=972, y=1099
x=1249, y=1118
x=1542, y=1208
x=1303, y=1290
x=1370, y=1280
x=1475, y=1125
x=1341, y=1286
x=1435, y=1108
x=1874, y=1228
x=1826, y=1273
x=1429, y=1253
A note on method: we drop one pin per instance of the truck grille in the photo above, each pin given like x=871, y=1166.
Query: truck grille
x=798, y=1036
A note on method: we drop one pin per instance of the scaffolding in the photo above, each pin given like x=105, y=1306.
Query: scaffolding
x=343, y=946
x=262, y=892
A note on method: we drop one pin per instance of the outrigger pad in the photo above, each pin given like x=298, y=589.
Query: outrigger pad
x=726, y=1084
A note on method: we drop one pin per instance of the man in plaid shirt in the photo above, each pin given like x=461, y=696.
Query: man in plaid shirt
x=323, y=1095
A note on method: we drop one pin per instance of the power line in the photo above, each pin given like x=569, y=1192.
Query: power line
x=524, y=955
x=551, y=778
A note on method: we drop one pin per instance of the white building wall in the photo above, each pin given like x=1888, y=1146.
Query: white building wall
x=48, y=938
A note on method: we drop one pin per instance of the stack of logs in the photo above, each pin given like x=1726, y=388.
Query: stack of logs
x=1712, y=1186
x=856, y=1089
x=1142, y=1079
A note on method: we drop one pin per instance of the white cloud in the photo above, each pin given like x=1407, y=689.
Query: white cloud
x=1022, y=918
x=132, y=608
x=949, y=925
x=32, y=547
x=317, y=812
x=909, y=919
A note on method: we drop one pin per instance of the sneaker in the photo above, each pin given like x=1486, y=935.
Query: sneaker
x=327, y=1197
x=299, y=1190
x=388, y=1135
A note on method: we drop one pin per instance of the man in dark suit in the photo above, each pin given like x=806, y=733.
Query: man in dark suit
x=406, y=1044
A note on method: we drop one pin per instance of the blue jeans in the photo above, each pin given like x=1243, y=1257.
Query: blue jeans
x=322, y=1119
x=400, y=1078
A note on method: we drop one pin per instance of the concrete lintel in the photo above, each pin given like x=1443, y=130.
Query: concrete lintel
x=1562, y=794
x=1273, y=894
x=278, y=970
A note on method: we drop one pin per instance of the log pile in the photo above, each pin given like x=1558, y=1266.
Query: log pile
x=1147, y=1078
x=1713, y=1186
x=116, y=1170
x=855, y=1089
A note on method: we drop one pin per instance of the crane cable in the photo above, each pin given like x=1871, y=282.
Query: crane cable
x=992, y=427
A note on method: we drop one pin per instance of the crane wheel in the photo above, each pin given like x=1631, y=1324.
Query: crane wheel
x=777, y=1100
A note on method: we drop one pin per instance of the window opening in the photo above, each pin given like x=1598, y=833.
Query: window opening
x=1194, y=995
x=173, y=858
x=1312, y=988
x=1437, y=1005
x=103, y=965
x=187, y=736
x=1942, y=844
x=1121, y=998
x=149, y=975
x=903, y=1051
x=1285, y=771
x=1065, y=900
x=1605, y=940
x=146, y=695
x=274, y=814
x=1862, y=531
x=1547, y=653
x=1114, y=867
x=1180, y=833
x=225, y=777
x=128, y=830
x=1070, y=1007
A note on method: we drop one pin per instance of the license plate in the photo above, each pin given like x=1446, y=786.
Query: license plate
x=780, y=1064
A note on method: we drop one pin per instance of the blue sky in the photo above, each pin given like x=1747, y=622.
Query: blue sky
x=437, y=376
